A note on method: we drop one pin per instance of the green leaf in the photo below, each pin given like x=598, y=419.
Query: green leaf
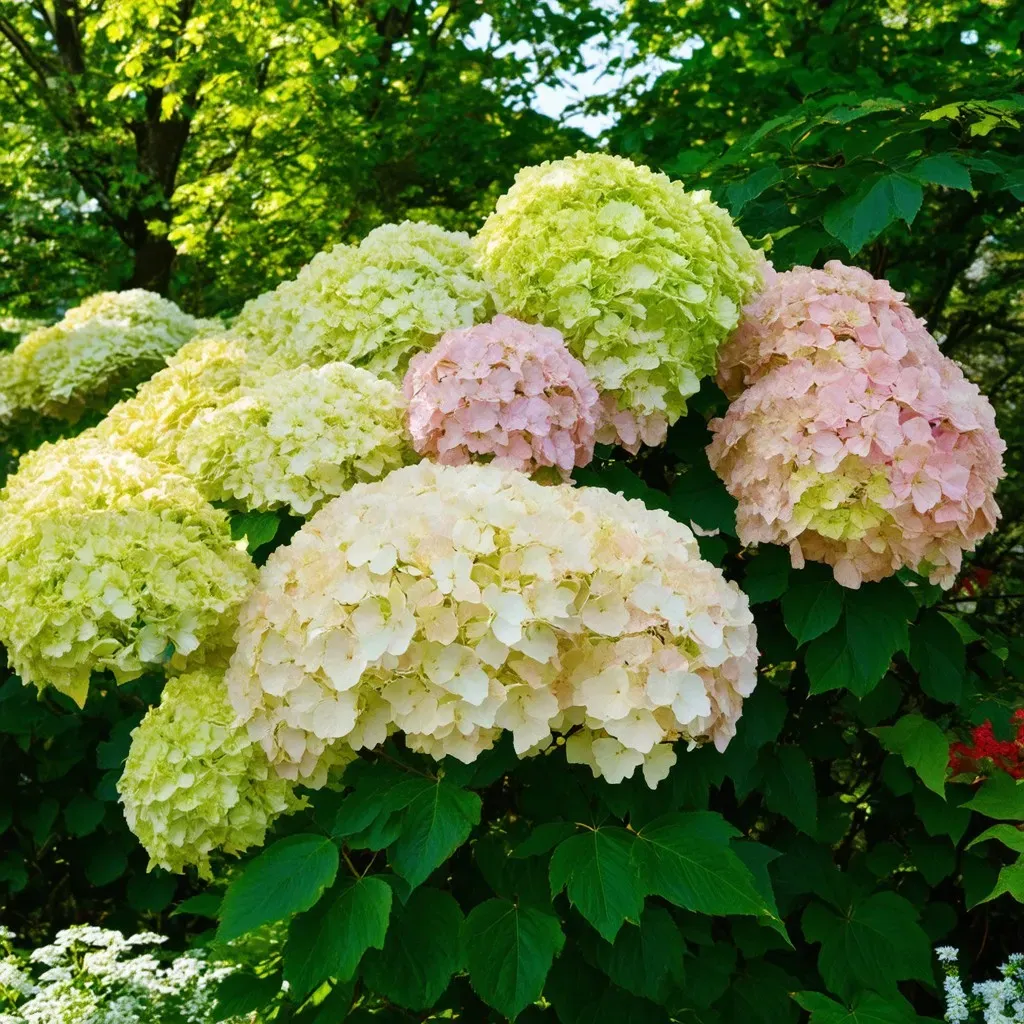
x=596, y=871
x=286, y=878
x=739, y=193
x=436, y=824
x=699, y=496
x=83, y=814
x=923, y=747
x=943, y=169
x=509, y=951
x=106, y=862
x=647, y=958
x=421, y=951
x=937, y=654
x=789, y=787
x=204, y=904
x=258, y=528
x=868, y=1008
x=862, y=217
x=941, y=817
x=152, y=891
x=856, y=653
x=874, y=944
x=813, y=603
x=39, y=818
x=999, y=797
x=1011, y=880
x=1009, y=835
x=543, y=838
x=767, y=574
x=686, y=859
x=330, y=940
x=244, y=992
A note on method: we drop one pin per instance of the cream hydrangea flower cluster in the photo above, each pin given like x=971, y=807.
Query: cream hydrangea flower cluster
x=856, y=442
x=456, y=602
x=110, y=562
x=108, y=344
x=643, y=278
x=373, y=304
x=504, y=389
x=194, y=782
x=296, y=438
x=200, y=376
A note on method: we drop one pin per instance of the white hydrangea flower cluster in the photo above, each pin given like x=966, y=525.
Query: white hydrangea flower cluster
x=373, y=304
x=194, y=782
x=108, y=344
x=110, y=562
x=94, y=975
x=990, y=1002
x=456, y=602
x=296, y=438
x=200, y=376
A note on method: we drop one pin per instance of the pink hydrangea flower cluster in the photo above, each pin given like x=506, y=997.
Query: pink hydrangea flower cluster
x=505, y=389
x=851, y=437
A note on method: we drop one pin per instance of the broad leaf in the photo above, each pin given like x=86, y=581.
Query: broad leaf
x=937, y=653
x=646, y=958
x=596, y=870
x=330, y=940
x=856, y=653
x=543, y=838
x=789, y=786
x=767, y=574
x=868, y=1008
x=258, y=528
x=509, y=951
x=859, y=219
x=421, y=952
x=813, y=604
x=923, y=747
x=437, y=822
x=1000, y=797
x=943, y=169
x=286, y=878
x=875, y=944
x=686, y=859
x=1009, y=835
x=1011, y=880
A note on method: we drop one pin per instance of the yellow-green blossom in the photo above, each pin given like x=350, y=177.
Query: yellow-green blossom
x=643, y=278
x=372, y=304
x=105, y=346
x=194, y=783
x=110, y=562
x=199, y=376
x=296, y=438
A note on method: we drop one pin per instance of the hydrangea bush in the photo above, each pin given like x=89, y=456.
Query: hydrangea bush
x=989, y=1002
x=568, y=738
x=851, y=438
x=506, y=390
x=193, y=782
x=91, y=975
x=372, y=304
x=644, y=278
x=297, y=437
x=110, y=562
x=107, y=345
x=482, y=602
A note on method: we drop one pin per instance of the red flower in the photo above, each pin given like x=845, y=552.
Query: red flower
x=986, y=754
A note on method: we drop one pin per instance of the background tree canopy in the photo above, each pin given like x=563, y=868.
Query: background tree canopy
x=207, y=149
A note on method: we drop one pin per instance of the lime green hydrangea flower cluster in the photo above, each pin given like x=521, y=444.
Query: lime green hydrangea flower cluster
x=644, y=279
x=374, y=304
x=108, y=344
x=296, y=438
x=197, y=378
x=108, y=561
x=194, y=783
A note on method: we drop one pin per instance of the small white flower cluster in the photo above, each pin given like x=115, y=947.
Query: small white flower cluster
x=454, y=602
x=93, y=975
x=990, y=1002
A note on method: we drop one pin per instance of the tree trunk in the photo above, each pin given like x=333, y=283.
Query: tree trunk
x=154, y=259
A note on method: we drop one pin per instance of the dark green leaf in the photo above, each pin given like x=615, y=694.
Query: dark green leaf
x=330, y=940
x=923, y=747
x=286, y=878
x=243, y=992
x=789, y=786
x=1011, y=881
x=646, y=959
x=258, y=528
x=600, y=880
x=421, y=952
x=544, y=838
x=509, y=951
x=943, y=169
x=83, y=814
x=868, y=1008
x=436, y=824
x=813, y=603
x=767, y=574
x=937, y=653
x=1000, y=797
